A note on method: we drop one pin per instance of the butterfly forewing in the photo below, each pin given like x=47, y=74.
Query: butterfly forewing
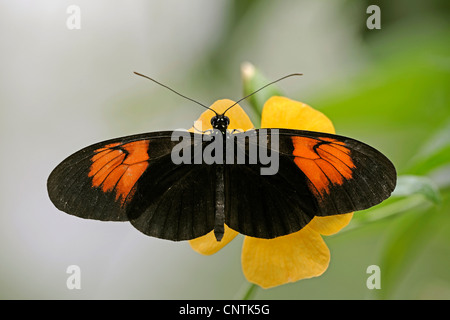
x=98, y=181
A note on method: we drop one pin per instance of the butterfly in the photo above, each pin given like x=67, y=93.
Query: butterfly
x=180, y=185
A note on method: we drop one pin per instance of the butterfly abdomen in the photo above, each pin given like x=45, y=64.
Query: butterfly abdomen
x=219, y=217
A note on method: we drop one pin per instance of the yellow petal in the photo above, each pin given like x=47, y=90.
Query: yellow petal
x=281, y=112
x=238, y=118
x=208, y=244
x=273, y=262
x=331, y=224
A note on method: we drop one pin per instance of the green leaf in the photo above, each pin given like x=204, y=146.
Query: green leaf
x=410, y=231
x=411, y=193
x=434, y=153
x=408, y=185
x=406, y=238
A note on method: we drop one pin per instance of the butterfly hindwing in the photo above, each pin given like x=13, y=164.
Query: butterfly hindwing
x=176, y=203
x=267, y=206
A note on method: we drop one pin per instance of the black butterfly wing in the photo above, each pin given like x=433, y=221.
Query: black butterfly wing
x=266, y=206
x=134, y=179
x=175, y=203
x=319, y=174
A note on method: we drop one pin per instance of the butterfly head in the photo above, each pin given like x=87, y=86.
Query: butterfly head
x=220, y=122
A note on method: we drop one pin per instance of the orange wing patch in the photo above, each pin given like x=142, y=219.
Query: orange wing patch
x=325, y=161
x=118, y=167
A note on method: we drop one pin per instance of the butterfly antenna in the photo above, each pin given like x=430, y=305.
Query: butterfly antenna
x=181, y=95
x=289, y=75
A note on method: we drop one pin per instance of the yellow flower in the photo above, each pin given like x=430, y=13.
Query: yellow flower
x=303, y=254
